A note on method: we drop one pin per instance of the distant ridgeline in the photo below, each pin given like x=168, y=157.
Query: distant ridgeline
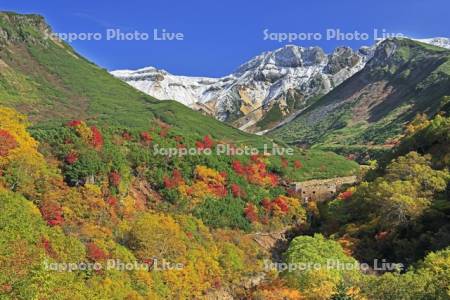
x=366, y=115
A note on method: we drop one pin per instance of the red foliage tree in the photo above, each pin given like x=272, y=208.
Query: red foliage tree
x=168, y=183
x=250, y=212
x=74, y=123
x=47, y=245
x=237, y=191
x=112, y=201
x=95, y=253
x=146, y=137
x=115, y=178
x=177, y=177
x=254, y=158
x=218, y=189
x=267, y=204
x=71, y=158
x=256, y=172
x=261, y=167
x=127, y=136
x=7, y=142
x=208, y=142
x=97, y=138
x=174, y=181
x=238, y=167
x=298, y=164
x=224, y=175
x=281, y=204
x=273, y=179
x=345, y=195
x=199, y=145
x=205, y=143
x=284, y=163
x=52, y=213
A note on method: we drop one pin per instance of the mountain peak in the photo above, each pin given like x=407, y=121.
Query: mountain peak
x=289, y=56
x=285, y=78
x=270, y=78
x=404, y=78
x=397, y=51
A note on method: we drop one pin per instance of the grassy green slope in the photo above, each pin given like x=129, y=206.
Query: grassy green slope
x=404, y=78
x=48, y=81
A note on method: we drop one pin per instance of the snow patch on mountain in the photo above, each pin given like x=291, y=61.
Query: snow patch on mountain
x=258, y=84
x=255, y=83
x=165, y=86
x=437, y=41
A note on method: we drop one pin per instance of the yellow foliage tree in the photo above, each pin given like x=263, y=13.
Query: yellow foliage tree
x=208, y=175
x=22, y=168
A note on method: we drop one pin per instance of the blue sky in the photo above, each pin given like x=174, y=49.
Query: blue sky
x=220, y=35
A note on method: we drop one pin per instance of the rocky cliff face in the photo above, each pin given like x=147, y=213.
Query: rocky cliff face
x=285, y=78
x=265, y=90
x=369, y=110
x=24, y=25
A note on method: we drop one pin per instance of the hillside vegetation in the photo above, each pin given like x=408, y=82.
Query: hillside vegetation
x=52, y=84
x=367, y=113
x=46, y=79
x=91, y=210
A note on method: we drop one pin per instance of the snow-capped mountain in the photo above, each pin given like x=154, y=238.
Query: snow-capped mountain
x=438, y=41
x=270, y=78
x=262, y=91
x=163, y=85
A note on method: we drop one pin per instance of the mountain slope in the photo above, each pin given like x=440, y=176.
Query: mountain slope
x=403, y=78
x=50, y=83
x=263, y=91
x=260, y=92
x=47, y=80
x=437, y=41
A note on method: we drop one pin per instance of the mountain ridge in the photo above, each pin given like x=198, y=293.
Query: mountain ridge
x=370, y=109
x=46, y=79
x=267, y=78
x=264, y=90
